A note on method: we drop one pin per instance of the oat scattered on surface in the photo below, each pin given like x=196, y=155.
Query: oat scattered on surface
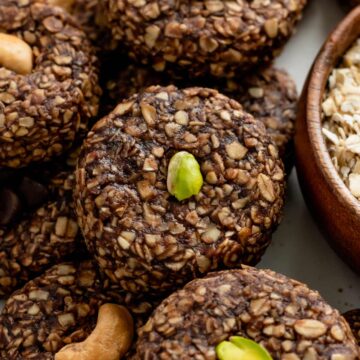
x=341, y=119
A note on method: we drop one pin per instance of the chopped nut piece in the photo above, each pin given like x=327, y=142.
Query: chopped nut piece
x=266, y=187
x=236, y=151
x=123, y=108
x=149, y=113
x=271, y=27
x=181, y=117
x=211, y=235
x=150, y=165
x=310, y=328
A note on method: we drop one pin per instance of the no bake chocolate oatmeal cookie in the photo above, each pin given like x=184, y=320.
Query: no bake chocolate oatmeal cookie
x=211, y=36
x=38, y=226
x=142, y=237
x=284, y=316
x=58, y=308
x=48, y=82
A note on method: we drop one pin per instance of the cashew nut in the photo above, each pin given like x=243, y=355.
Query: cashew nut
x=66, y=4
x=110, y=340
x=15, y=54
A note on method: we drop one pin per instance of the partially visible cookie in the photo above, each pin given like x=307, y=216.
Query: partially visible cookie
x=353, y=318
x=58, y=308
x=282, y=315
x=38, y=227
x=269, y=95
x=48, y=87
x=203, y=37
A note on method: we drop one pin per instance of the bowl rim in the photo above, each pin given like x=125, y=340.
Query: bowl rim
x=327, y=59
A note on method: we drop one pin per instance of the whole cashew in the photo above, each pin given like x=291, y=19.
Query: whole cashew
x=110, y=340
x=15, y=54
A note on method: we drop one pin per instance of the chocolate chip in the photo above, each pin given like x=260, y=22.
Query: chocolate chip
x=33, y=192
x=9, y=206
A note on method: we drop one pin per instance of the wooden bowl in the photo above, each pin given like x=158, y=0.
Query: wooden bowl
x=335, y=209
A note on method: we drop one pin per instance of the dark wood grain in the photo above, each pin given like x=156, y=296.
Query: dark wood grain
x=336, y=211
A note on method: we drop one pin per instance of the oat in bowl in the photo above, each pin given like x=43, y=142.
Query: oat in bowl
x=341, y=122
x=335, y=208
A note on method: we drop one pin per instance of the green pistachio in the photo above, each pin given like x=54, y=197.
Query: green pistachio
x=239, y=348
x=184, y=178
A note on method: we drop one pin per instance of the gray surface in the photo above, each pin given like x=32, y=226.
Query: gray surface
x=298, y=249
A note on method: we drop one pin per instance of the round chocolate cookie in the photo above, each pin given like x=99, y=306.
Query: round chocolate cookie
x=203, y=37
x=282, y=315
x=353, y=318
x=48, y=82
x=58, y=308
x=149, y=241
x=38, y=227
x=269, y=95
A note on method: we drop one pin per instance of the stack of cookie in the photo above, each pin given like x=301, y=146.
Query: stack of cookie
x=184, y=127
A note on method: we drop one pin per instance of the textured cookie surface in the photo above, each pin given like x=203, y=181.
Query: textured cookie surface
x=58, y=308
x=209, y=36
x=42, y=112
x=43, y=235
x=268, y=94
x=283, y=315
x=353, y=318
x=141, y=236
